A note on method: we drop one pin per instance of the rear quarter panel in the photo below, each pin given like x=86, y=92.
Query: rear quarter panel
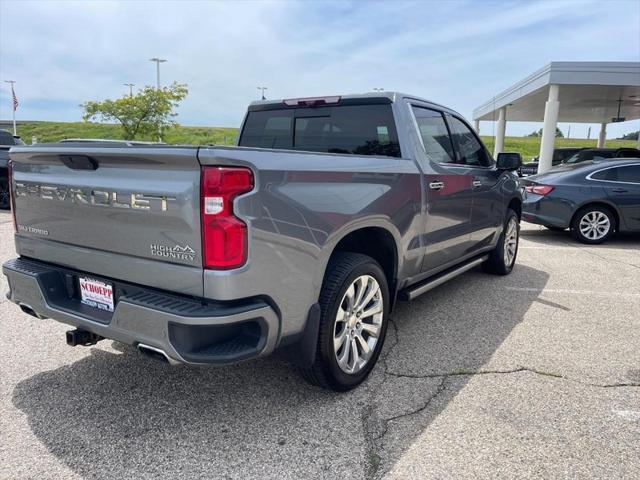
x=302, y=206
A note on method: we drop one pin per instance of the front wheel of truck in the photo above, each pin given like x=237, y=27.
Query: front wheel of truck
x=354, y=305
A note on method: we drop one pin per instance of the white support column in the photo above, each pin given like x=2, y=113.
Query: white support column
x=603, y=135
x=547, y=144
x=477, y=125
x=500, y=131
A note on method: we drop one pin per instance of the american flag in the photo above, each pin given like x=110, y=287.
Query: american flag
x=15, y=99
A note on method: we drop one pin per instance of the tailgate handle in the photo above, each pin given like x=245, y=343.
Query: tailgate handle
x=79, y=162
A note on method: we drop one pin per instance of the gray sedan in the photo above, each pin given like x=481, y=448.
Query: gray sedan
x=594, y=199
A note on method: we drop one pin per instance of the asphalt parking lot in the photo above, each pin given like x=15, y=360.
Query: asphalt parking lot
x=532, y=375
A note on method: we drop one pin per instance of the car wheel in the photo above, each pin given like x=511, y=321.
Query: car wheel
x=354, y=306
x=4, y=193
x=593, y=224
x=503, y=256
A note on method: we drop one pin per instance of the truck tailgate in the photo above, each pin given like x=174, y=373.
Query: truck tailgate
x=122, y=211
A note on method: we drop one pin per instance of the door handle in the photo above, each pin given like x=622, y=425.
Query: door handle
x=619, y=190
x=477, y=183
x=436, y=185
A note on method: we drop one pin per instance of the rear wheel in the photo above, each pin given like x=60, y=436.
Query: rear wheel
x=593, y=224
x=354, y=304
x=503, y=257
x=4, y=193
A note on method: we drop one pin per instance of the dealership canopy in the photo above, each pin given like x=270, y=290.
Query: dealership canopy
x=578, y=92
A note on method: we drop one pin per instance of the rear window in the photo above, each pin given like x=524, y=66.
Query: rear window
x=350, y=129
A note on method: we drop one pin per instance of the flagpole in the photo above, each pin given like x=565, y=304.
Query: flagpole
x=15, y=131
x=13, y=105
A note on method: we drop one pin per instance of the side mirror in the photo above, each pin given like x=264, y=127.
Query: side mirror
x=509, y=161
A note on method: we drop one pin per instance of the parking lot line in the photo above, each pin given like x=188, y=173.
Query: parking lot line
x=574, y=292
x=577, y=249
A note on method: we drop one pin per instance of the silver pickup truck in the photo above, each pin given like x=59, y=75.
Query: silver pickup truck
x=301, y=238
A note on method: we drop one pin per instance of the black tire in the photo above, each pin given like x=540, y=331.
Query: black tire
x=598, y=210
x=497, y=264
x=343, y=269
x=4, y=194
x=554, y=229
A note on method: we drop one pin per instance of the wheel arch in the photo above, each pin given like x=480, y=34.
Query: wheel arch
x=515, y=204
x=376, y=241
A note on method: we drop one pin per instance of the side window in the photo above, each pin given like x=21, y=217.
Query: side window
x=470, y=151
x=435, y=136
x=610, y=174
x=629, y=174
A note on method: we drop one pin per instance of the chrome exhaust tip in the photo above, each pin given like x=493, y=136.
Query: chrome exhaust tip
x=156, y=353
x=30, y=311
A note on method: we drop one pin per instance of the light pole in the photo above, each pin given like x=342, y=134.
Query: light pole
x=158, y=62
x=262, y=89
x=130, y=85
x=14, y=104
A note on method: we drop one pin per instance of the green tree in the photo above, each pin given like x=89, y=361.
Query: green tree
x=538, y=133
x=630, y=136
x=141, y=115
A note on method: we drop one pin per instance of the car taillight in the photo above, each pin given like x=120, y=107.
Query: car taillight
x=224, y=236
x=539, y=189
x=11, y=196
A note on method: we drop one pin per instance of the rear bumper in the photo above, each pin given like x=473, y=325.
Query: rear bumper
x=547, y=211
x=187, y=330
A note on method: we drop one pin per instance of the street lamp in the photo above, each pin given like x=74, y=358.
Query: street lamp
x=130, y=85
x=158, y=62
x=262, y=89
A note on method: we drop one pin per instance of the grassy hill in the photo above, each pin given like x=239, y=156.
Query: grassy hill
x=529, y=147
x=55, y=131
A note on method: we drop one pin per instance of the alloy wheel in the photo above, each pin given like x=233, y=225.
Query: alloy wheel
x=594, y=225
x=510, y=242
x=358, y=324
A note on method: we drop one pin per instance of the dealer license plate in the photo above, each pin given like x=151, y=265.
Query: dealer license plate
x=96, y=294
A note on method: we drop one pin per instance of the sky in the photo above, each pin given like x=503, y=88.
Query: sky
x=457, y=53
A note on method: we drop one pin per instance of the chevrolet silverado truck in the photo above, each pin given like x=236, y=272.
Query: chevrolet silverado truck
x=299, y=239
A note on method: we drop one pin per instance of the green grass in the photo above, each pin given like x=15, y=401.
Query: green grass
x=55, y=131
x=529, y=147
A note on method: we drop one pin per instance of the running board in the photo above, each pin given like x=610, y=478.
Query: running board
x=417, y=290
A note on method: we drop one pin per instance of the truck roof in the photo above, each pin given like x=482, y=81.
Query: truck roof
x=391, y=96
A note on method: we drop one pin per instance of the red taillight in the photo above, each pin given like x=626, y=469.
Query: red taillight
x=539, y=189
x=11, y=195
x=224, y=236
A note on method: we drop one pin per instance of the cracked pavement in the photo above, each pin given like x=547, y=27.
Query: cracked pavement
x=533, y=375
